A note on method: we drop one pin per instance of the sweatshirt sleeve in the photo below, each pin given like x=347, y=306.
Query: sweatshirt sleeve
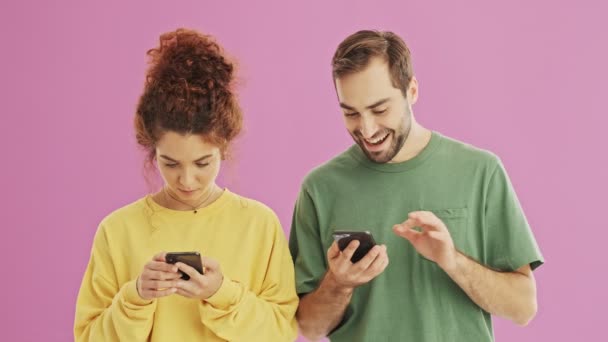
x=106, y=310
x=235, y=313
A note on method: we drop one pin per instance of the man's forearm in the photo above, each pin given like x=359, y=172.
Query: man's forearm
x=510, y=295
x=322, y=310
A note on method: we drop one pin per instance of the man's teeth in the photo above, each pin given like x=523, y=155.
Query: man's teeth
x=377, y=140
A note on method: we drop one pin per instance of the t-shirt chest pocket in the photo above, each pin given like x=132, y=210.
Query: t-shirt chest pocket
x=457, y=221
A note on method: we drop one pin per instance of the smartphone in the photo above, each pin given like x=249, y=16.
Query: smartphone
x=192, y=259
x=366, y=242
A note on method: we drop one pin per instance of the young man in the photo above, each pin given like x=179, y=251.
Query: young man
x=444, y=213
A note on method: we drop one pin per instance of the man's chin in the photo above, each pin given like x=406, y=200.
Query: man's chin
x=379, y=157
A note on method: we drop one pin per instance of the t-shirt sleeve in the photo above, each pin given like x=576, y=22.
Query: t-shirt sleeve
x=305, y=245
x=509, y=241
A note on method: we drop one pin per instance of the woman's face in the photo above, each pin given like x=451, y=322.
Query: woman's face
x=188, y=165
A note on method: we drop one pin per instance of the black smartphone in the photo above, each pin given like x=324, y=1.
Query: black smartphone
x=366, y=242
x=192, y=259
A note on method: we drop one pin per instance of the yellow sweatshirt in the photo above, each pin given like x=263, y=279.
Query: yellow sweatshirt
x=256, y=301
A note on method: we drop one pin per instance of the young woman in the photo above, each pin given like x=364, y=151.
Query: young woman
x=186, y=118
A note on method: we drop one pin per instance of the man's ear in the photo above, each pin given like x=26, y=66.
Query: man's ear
x=412, y=91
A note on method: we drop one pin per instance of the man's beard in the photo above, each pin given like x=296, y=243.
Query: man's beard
x=398, y=139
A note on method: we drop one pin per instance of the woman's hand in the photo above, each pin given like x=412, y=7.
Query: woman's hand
x=158, y=279
x=200, y=286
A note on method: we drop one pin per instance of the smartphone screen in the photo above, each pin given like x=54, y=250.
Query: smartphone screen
x=192, y=259
x=366, y=242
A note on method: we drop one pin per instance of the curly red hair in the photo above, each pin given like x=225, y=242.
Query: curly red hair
x=188, y=90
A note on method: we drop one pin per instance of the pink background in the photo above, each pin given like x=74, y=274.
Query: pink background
x=525, y=79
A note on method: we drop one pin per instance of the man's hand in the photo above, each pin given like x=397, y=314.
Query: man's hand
x=347, y=275
x=434, y=241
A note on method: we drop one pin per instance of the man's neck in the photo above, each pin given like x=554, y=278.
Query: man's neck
x=416, y=141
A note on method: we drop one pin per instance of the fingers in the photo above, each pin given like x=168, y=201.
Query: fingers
x=184, y=293
x=413, y=220
x=150, y=289
x=158, y=275
x=156, y=270
x=377, y=266
x=348, y=252
x=154, y=293
x=189, y=270
x=157, y=284
x=157, y=278
x=426, y=220
x=333, y=251
x=436, y=235
x=194, y=289
x=361, y=272
x=160, y=257
x=373, y=253
x=423, y=219
x=188, y=286
x=161, y=266
x=159, y=270
x=406, y=232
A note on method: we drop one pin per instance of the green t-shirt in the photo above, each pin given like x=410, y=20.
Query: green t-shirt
x=413, y=299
